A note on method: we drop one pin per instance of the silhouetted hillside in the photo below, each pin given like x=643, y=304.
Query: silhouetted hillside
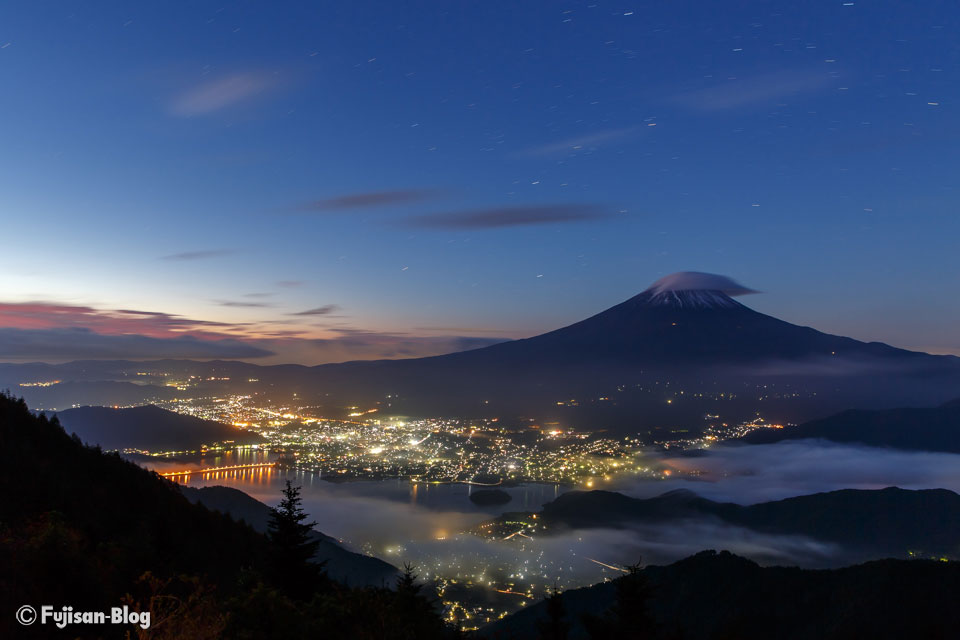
x=82, y=528
x=931, y=429
x=343, y=565
x=719, y=595
x=149, y=428
x=881, y=523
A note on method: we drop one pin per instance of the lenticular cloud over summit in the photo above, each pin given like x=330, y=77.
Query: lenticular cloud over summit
x=698, y=281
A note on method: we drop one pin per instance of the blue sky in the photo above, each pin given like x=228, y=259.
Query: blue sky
x=431, y=171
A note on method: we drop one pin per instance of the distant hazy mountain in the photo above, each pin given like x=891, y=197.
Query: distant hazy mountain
x=868, y=524
x=342, y=565
x=933, y=429
x=72, y=393
x=148, y=428
x=719, y=595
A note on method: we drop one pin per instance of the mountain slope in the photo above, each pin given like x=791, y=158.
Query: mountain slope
x=148, y=428
x=90, y=530
x=340, y=564
x=81, y=527
x=927, y=429
x=720, y=595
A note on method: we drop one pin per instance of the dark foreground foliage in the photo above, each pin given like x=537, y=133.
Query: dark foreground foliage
x=720, y=596
x=90, y=530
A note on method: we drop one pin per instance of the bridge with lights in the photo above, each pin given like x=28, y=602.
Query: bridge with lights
x=208, y=470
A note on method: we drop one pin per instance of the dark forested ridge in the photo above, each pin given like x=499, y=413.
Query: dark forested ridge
x=889, y=522
x=719, y=596
x=82, y=528
x=341, y=564
x=916, y=429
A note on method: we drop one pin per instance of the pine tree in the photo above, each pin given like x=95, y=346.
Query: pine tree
x=629, y=616
x=294, y=545
x=414, y=616
x=555, y=626
x=407, y=581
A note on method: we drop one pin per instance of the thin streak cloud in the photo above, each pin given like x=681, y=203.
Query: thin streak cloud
x=586, y=141
x=243, y=304
x=752, y=91
x=319, y=311
x=220, y=93
x=512, y=216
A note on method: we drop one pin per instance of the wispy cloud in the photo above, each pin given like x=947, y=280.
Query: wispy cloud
x=581, y=142
x=42, y=330
x=319, y=311
x=222, y=92
x=242, y=304
x=81, y=344
x=57, y=332
x=756, y=90
x=47, y=315
x=510, y=216
x=369, y=199
x=199, y=255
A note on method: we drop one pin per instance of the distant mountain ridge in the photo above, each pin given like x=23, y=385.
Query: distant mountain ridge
x=922, y=429
x=149, y=428
x=867, y=523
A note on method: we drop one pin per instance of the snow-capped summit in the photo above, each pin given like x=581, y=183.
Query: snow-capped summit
x=694, y=289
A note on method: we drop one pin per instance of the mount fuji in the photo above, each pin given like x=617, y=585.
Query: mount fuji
x=681, y=349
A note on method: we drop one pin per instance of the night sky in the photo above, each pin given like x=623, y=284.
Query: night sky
x=314, y=182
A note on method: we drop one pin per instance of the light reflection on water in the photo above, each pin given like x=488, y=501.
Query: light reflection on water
x=401, y=521
x=260, y=481
x=345, y=508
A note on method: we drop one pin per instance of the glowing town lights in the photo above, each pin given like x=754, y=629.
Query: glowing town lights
x=48, y=383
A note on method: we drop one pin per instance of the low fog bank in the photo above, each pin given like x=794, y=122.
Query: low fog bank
x=748, y=474
x=391, y=520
